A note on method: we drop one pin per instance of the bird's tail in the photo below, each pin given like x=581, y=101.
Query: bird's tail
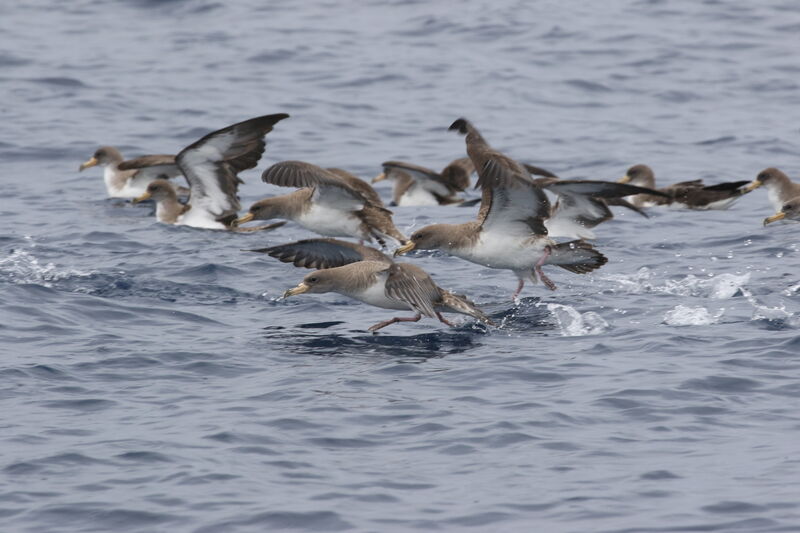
x=579, y=257
x=459, y=303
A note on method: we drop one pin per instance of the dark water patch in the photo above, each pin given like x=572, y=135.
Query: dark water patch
x=144, y=457
x=88, y=405
x=659, y=475
x=282, y=521
x=71, y=83
x=91, y=517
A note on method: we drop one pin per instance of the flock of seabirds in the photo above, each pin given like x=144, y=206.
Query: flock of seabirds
x=514, y=229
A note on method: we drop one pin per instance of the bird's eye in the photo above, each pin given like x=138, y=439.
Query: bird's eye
x=763, y=176
x=313, y=279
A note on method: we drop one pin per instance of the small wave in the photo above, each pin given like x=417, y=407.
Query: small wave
x=721, y=287
x=683, y=315
x=22, y=267
x=573, y=323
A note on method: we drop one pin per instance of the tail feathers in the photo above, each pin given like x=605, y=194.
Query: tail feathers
x=460, y=304
x=579, y=257
x=378, y=223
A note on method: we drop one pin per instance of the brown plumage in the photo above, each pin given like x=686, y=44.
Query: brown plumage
x=688, y=194
x=129, y=179
x=370, y=276
x=417, y=185
x=334, y=203
x=780, y=189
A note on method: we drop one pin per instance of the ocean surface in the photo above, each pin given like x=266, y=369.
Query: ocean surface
x=152, y=379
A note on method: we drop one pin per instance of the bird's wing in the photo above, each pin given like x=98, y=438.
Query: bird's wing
x=210, y=164
x=426, y=178
x=323, y=253
x=410, y=284
x=512, y=203
x=329, y=188
x=358, y=184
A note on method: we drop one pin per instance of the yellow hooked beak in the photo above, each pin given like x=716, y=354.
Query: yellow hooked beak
x=90, y=163
x=142, y=198
x=407, y=247
x=379, y=177
x=247, y=218
x=775, y=218
x=624, y=179
x=300, y=289
x=753, y=185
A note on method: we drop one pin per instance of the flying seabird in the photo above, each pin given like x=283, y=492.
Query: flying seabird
x=416, y=185
x=369, y=276
x=129, y=179
x=510, y=232
x=331, y=202
x=210, y=166
x=687, y=194
x=780, y=189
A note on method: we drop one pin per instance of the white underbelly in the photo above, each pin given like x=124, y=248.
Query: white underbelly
x=416, y=195
x=375, y=295
x=330, y=222
x=496, y=251
x=128, y=189
x=198, y=218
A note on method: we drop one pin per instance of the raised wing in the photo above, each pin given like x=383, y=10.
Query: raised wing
x=360, y=185
x=210, y=164
x=323, y=253
x=329, y=188
x=512, y=203
x=410, y=284
x=457, y=173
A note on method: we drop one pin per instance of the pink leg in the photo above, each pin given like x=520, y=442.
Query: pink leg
x=519, y=289
x=444, y=320
x=538, y=268
x=394, y=320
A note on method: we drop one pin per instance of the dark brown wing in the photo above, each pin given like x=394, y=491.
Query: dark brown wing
x=329, y=188
x=410, y=284
x=323, y=253
x=210, y=164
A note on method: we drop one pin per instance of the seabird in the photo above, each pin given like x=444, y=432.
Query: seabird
x=687, y=194
x=330, y=202
x=369, y=276
x=790, y=210
x=129, y=179
x=416, y=185
x=780, y=189
x=210, y=166
x=510, y=232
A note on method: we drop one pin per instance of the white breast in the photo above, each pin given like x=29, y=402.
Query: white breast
x=375, y=295
x=773, y=193
x=330, y=222
x=416, y=195
x=500, y=251
x=198, y=218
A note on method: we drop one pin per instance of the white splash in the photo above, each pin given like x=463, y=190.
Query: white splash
x=721, y=287
x=22, y=267
x=683, y=315
x=764, y=312
x=574, y=324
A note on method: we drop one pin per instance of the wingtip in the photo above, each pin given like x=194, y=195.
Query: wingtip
x=461, y=125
